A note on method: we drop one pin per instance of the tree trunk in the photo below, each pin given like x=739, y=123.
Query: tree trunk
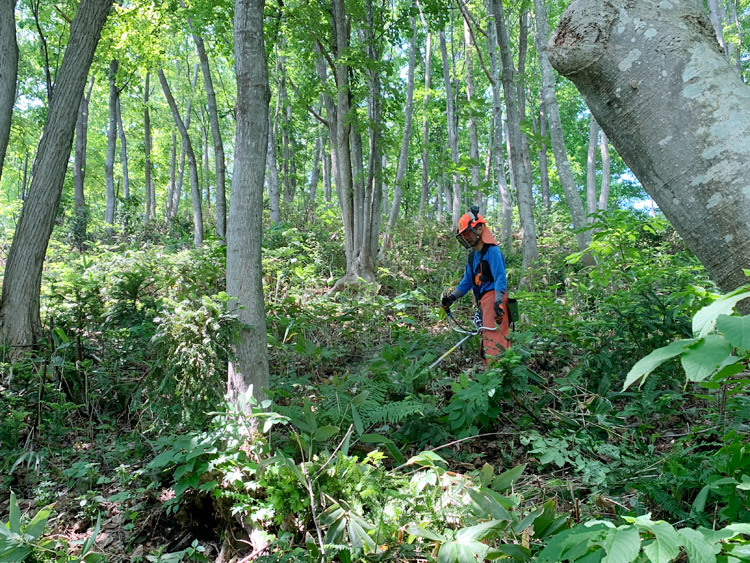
x=604, y=193
x=562, y=164
x=19, y=308
x=147, y=145
x=452, y=132
x=424, y=193
x=591, y=200
x=658, y=85
x=273, y=174
x=109, y=163
x=8, y=72
x=471, y=125
x=543, y=160
x=327, y=184
x=123, y=152
x=249, y=367
x=405, y=138
x=187, y=146
x=315, y=174
x=213, y=119
x=172, y=186
x=79, y=169
x=506, y=211
x=523, y=182
x=177, y=190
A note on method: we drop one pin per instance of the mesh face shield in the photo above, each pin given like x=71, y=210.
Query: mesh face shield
x=460, y=238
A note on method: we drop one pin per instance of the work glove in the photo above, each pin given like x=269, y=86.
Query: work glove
x=499, y=312
x=447, y=301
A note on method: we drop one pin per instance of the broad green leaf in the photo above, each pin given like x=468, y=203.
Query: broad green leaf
x=324, y=433
x=478, y=532
x=163, y=459
x=359, y=537
x=705, y=357
x=699, y=504
x=506, y=479
x=704, y=320
x=425, y=459
x=14, y=516
x=489, y=505
x=515, y=551
x=666, y=543
x=357, y=420
x=421, y=532
x=461, y=552
x=389, y=444
x=739, y=528
x=697, y=546
x=621, y=544
x=35, y=528
x=736, y=330
x=15, y=554
x=646, y=365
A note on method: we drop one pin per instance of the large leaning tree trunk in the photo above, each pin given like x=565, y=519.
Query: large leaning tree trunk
x=8, y=72
x=245, y=225
x=658, y=85
x=19, y=309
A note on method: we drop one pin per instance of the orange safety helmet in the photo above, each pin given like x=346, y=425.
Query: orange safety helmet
x=469, y=221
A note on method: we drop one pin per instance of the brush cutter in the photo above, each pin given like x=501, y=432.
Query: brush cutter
x=478, y=328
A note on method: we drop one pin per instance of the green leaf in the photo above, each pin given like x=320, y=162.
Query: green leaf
x=479, y=532
x=35, y=528
x=389, y=444
x=357, y=420
x=646, y=365
x=515, y=551
x=14, y=516
x=506, y=479
x=697, y=546
x=163, y=459
x=324, y=433
x=704, y=320
x=736, y=330
x=621, y=544
x=489, y=504
x=666, y=543
x=705, y=357
x=422, y=532
x=699, y=504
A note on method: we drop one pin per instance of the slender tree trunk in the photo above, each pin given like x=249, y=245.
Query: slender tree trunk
x=8, y=72
x=192, y=163
x=315, y=174
x=79, y=168
x=123, y=152
x=147, y=146
x=523, y=182
x=172, y=186
x=206, y=160
x=676, y=112
x=506, y=211
x=273, y=175
x=591, y=170
x=425, y=191
x=452, y=131
x=177, y=191
x=249, y=367
x=405, y=138
x=604, y=193
x=543, y=161
x=109, y=163
x=562, y=164
x=327, y=184
x=213, y=117
x=19, y=308
x=472, y=125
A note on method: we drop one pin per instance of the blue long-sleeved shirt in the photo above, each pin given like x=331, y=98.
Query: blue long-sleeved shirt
x=497, y=266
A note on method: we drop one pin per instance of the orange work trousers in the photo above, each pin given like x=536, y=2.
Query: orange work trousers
x=493, y=341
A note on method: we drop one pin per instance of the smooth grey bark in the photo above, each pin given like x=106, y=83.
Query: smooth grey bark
x=405, y=138
x=315, y=173
x=543, y=160
x=520, y=80
x=19, y=307
x=218, y=143
x=187, y=146
x=273, y=173
x=176, y=192
x=123, y=151
x=506, y=201
x=424, y=192
x=327, y=183
x=471, y=125
x=606, y=161
x=452, y=131
x=172, y=186
x=150, y=211
x=109, y=162
x=557, y=136
x=522, y=179
x=8, y=72
x=79, y=167
x=591, y=199
x=674, y=109
x=249, y=366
